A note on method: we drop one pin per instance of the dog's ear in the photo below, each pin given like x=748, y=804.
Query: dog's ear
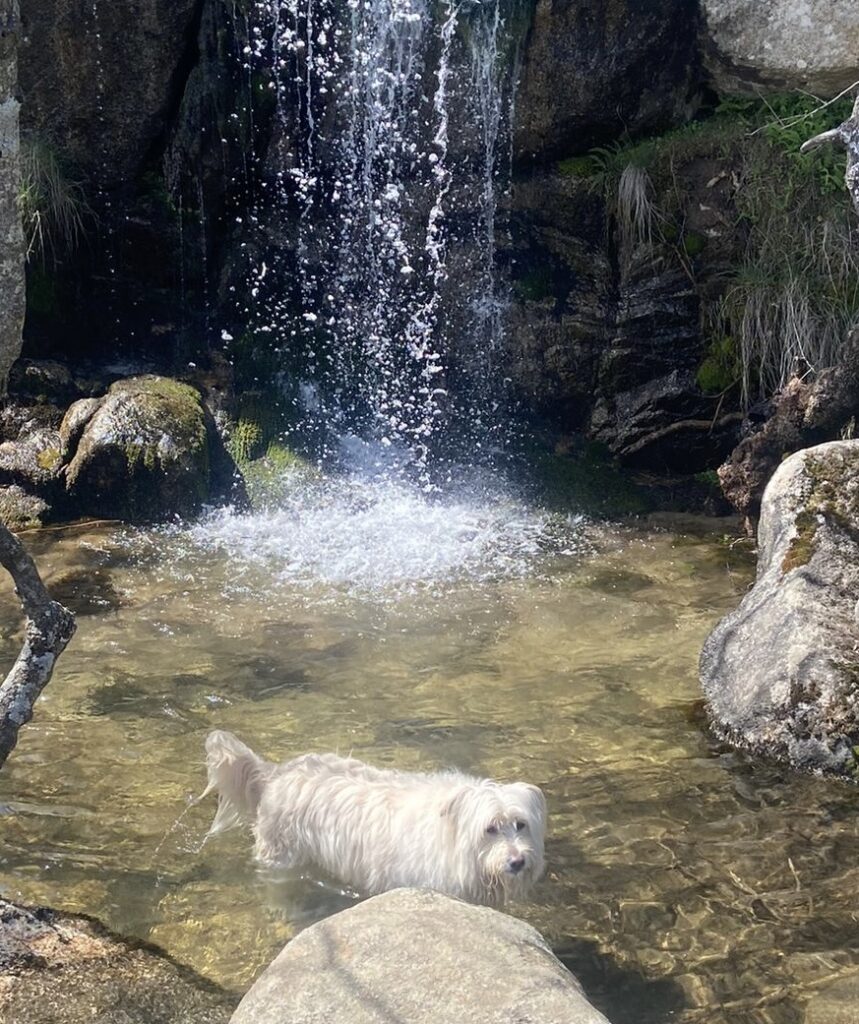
x=451, y=810
x=535, y=802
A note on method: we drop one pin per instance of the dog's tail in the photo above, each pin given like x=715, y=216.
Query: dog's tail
x=237, y=775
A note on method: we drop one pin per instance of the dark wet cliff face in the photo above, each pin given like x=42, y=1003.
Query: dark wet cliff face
x=102, y=79
x=594, y=71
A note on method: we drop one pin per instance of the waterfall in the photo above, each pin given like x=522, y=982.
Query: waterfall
x=391, y=143
x=374, y=276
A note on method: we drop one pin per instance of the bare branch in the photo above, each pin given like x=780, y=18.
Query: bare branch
x=789, y=122
x=846, y=135
x=50, y=626
x=833, y=135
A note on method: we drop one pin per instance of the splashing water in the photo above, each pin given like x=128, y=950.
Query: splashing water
x=380, y=538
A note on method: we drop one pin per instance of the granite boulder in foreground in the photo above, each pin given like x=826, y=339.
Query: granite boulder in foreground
x=781, y=672
x=417, y=957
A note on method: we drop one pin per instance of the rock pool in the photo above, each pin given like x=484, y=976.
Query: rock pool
x=685, y=882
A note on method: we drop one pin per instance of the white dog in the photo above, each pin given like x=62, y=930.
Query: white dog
x=377, y=829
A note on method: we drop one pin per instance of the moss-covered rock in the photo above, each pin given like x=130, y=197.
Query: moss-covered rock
x=268, y=478
x=780, y=673
x=34, y=460
x=143, y=451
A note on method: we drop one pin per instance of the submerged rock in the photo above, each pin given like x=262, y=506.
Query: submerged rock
x=420, y=957
x=781, y=45
x=835, y=1003
x=59, y=969
x=143, y=451
x=781, y=673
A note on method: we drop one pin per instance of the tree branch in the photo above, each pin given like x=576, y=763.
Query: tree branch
x=50, y=626
x=846, y=136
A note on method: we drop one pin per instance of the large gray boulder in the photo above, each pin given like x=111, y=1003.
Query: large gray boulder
x=781, y=672
x=778, y=45
x=11, y=233
x=420, y=957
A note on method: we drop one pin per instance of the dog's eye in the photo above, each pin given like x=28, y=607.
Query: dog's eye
x=493, y=830
x=520, y=825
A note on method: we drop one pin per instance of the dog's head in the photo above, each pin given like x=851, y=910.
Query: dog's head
x=499, y=832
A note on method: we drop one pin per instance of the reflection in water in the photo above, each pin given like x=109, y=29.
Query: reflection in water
x=684, y=883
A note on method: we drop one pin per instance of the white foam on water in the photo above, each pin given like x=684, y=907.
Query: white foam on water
x=378, y=537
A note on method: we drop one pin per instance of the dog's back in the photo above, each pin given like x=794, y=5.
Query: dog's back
x=238, y=776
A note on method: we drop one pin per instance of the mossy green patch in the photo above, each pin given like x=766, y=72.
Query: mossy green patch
x=693, y=244
x=267, y=478
x=48, y=458
x=578, y=166
x=260, y=422
x=721, y=368
x=830, y=499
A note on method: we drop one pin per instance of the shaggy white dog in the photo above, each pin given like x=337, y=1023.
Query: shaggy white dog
x=377, y=829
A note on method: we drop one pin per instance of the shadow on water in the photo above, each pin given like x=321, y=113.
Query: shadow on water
x=625, y=996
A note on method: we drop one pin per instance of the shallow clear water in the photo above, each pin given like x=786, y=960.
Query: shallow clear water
x=684, y=883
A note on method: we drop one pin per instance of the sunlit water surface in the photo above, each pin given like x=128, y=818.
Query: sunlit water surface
x=684, y=883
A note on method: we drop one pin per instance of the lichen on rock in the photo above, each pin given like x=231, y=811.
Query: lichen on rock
x=780, y=672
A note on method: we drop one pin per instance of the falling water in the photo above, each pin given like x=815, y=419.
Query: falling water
x=382, y=176
x=388, y=169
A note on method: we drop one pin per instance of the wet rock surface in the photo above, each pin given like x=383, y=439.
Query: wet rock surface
x=780, y=672
x=420, y=957
x=604, y=337
x=142, y=453
x=12, y=246
x=596, y=69
x=59, y=969
x=118, y=60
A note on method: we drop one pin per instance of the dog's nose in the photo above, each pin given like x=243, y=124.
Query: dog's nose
x=515, y=864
